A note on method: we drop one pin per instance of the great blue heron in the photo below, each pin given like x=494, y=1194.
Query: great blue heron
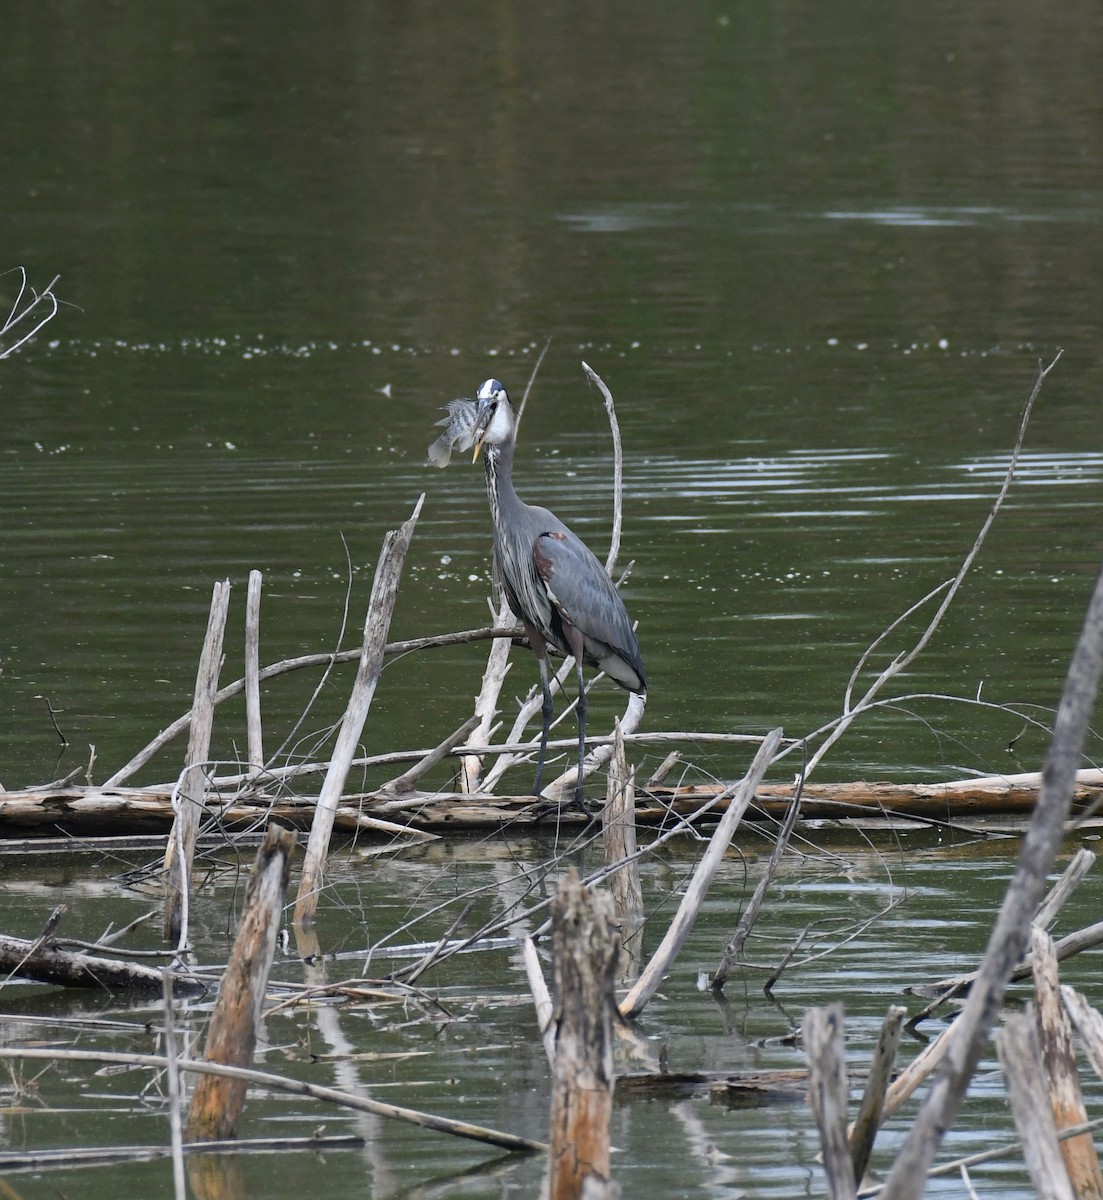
x=552, y=582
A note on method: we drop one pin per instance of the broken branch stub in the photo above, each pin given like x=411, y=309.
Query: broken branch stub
x=388, y=573
x=827, y=1093
x=192, y=793
x=585, y=950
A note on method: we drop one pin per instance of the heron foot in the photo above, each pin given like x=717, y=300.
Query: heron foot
x=545, y=807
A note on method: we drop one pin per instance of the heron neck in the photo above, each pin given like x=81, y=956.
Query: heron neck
x=498, y=464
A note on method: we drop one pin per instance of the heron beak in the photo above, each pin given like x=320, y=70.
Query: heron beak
x=478, y=447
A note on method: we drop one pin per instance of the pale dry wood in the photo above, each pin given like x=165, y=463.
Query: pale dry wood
x=863, y=1132
x=1061, y=890
x=412, y=1116
x=825, y=1049
x=1054, y=1032
x=486, y=703
x=517, y=750
x=750, y=914
x=1089, y=1024
x=1020, y=1057
x=253, y=726
x=662, y=771
x=217, y=1103
x=584, y=951
x=651, y=976
x=176, y=1120
x=618, y=468
x=192, y=792
x=42, y=309
x=541, y=997
x=380, y=607
x=619, y=834
x=1011, y=931
x=1002, y=1151
x=79, y=810
x=1082, y=862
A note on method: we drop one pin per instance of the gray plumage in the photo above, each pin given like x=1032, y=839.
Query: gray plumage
x=551, y=580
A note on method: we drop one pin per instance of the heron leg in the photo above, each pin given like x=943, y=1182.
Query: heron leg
x=540, y=649
x=545, y=724
x=574, y=641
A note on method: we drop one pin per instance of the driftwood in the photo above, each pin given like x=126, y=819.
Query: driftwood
x=1059, y=1063
x=1021, y=1058
x=44, y=962
x=827, y=1093
x=384, y=592
x=189, y=799
x=862, y=1133
x=585, y=950
x=619, y=836
x=217, y=1102
x=79, y=809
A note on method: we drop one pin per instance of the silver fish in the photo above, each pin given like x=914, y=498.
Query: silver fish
x=460, y=431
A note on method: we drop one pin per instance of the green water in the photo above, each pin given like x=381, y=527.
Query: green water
x=816, y=253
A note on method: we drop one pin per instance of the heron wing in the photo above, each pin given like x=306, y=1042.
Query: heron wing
x=583, y=595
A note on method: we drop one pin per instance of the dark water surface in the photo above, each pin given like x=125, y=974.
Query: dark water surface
x=816, y=253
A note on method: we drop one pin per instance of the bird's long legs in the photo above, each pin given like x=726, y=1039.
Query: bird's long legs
x=545, y=726
x=581, y=733
x=575, y=642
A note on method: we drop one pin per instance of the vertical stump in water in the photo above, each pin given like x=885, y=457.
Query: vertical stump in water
x=191, y=794
x=585, y=949
x=217, y=1102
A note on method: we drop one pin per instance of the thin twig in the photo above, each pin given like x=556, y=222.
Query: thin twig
x=906, y=657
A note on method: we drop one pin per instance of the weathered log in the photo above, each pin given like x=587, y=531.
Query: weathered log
x=1059, y=1064
x=585, y=951
x=45, y=962
x=384, y=592
x=863, y=1132
x=1020, y=1056
x=217, y=1102
x=77, y=809
x=253, y=726
x=619, y=835
x=827, y=1094
x=192, y=791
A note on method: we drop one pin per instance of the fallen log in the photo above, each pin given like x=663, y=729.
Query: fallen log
x=44, y=962
x=77, y=809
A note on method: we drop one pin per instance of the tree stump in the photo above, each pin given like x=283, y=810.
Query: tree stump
x=585, y=950
x=218, y=1102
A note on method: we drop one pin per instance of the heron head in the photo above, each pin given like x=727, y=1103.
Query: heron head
x=493, y=417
